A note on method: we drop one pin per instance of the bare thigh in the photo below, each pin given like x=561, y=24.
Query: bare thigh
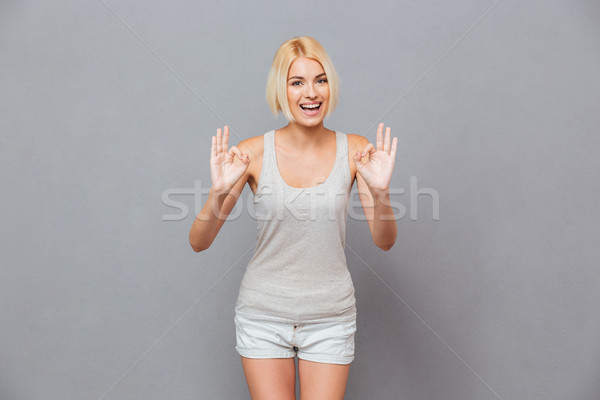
x=270, y=378
x=320, y=381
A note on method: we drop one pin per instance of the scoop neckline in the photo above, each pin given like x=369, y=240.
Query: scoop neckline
x=337, y=153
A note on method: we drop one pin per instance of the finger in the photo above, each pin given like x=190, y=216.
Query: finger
x=235, y=151
x=369, y=148
x=213, y=147
x=239, y=151
x=357, y=157
x=386, y=141
x=393, y=151
x=226, y=138
x=380, y=137
x=219, y=149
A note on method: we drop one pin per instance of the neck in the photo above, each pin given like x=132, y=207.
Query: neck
x=305, y=135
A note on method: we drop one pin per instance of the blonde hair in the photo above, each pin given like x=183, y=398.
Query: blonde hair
x=304, y=46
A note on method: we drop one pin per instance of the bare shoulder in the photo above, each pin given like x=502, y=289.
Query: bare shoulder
x=253, y=146
x=355, y=140
x=356, y=143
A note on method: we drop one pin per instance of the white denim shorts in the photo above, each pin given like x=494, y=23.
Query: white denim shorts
x=327, y=342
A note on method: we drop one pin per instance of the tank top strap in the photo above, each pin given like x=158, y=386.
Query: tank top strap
x=343, y=173
x=267, y=174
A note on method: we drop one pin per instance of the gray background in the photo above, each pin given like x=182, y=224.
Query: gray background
x=107, y=106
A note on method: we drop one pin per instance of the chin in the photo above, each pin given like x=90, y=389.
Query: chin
x=311, y=123
x=308, y=121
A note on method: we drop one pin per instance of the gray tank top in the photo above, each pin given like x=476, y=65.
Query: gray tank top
x=298, y=272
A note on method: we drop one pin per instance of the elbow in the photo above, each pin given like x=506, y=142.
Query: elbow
x=385, y=246
x=198, y=246
x=197, y=249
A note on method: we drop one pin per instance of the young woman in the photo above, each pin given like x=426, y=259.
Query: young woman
x=297, y=297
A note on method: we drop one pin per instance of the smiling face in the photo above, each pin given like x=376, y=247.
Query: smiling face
x=307, y=91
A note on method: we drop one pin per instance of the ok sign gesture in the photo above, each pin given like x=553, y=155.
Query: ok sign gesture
x=224, y=171
x=377, y=170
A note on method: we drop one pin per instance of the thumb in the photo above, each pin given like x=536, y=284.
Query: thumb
x=357, y=157
x=369, y=148
x=235, y=151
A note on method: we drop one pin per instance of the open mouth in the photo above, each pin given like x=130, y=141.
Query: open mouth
x=311, y=108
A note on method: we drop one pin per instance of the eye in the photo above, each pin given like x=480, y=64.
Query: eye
x=322, y=80
x=296, y=83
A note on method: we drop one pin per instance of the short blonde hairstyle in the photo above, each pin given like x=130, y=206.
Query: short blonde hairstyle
x=304, y=46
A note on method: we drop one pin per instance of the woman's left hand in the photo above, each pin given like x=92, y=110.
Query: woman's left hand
x=379, y=164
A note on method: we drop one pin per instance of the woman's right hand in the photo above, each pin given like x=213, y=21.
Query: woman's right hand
x=226, y=166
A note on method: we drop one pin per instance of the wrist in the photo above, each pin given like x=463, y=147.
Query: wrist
x=219, y=191
x=379, y=193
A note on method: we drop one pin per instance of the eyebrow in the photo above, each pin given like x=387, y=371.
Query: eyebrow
x=301, y=77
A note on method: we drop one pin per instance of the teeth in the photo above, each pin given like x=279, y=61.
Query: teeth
x=310, y=105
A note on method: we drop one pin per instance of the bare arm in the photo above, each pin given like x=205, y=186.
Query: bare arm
x=373, y=179
x=228, y=177
x=213, y=215
x=379, y=214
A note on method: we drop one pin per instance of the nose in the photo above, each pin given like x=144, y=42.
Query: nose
x=311, y=93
